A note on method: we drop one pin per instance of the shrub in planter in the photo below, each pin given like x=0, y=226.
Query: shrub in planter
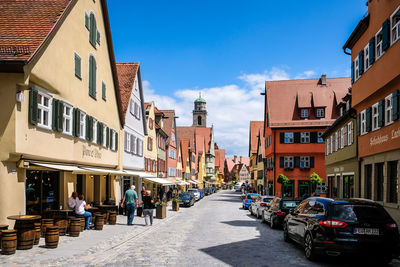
x=175, y=204
x=161, y=210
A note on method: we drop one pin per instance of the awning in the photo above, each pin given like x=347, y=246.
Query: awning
x=104, y=171
x=193, y=182
x=158, y=181
x=138, y=173
x=69, y=168
x=183, y=182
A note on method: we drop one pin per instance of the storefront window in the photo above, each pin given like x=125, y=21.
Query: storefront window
x=304, y=189
x=368, y=181
x=379, y=181
x=392, y=182
x=288, y=190
x=348, y=186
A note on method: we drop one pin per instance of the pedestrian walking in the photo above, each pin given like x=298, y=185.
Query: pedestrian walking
x=148, y=207
x=131, y=199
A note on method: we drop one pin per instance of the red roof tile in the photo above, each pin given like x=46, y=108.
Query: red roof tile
x=255, y=127
x=184, y=152
x=206, y=134
x=168, y=122
x=186, y=132
x=126, y=78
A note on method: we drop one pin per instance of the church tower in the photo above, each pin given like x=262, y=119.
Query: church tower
x=200, y=112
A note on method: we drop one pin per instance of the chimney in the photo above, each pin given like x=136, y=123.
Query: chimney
x=322, y=80
x=234, y=159
x=240, y=159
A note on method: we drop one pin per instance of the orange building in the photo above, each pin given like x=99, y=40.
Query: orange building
x=297, y=112
x=375, y=54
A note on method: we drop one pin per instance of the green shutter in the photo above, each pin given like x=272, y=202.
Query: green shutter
x=381, y=113
x=33, y=106
x=87, y=21
x=281, y=162
x=386, y=35
x=116, y=141
x=368, y=119
x=98, y=37
x=91, y=129
x=87, y=125
x=352, y=72
x=60, y=116
x=311, y=162
x=103, y=90
x=395, y=105
x=93, y=30
x=54, y=114
x=361, y=62
x=78, y=66
x=297, y=162
x=99, y=133
x=74, y=121
x=371, y=51
x=358, y=124
x=92, y=76
x=107, y=137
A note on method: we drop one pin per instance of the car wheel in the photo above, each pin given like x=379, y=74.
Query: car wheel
x=258, y=215
x=309, y=250
x=286, y=237
x=272, y=222
x=262, y=217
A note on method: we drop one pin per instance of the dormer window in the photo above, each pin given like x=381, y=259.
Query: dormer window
x=304, y=113
x=320, y=113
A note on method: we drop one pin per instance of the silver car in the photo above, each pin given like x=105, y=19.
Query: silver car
x=259, y=205
x=195, y=192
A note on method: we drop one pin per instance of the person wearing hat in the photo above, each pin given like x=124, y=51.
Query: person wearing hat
x=131, y=199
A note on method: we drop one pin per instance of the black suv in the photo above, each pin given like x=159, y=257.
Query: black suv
x=326, y=226
x=277, y=211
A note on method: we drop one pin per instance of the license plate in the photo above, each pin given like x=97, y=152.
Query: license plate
x=366, y=231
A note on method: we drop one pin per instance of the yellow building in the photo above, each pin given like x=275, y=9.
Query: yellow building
x=150, y=143
x=201, y=170
x=60, y=123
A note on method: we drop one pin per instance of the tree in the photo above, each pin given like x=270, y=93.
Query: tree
x=282, y=179
x=315, y=180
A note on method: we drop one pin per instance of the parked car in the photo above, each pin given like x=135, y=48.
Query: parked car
x=206, y=191
x=248, y=199
x=238, y=187
x=326, y=226
x=277, y=211
x=259, y=205
x=186, y=199
x=195, y=192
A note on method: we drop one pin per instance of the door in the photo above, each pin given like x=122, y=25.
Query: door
x=304, y=189
x=288, y=190
x=42, y=191
x=348, y=186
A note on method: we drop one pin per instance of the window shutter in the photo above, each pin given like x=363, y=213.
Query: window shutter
x=116, y=141
x=107, y=137
x=313, y=137
x=103, y=90
x=352, y=72
x=99, y=133
x=296, y=137
x=87, y=21
x=54, y=114
x=358, y=124
x=281, y=162
x=361, y=62
x=395, y=105
x=297, y=162
x=91, y=128
x=91, y=75
x=386, y=35
x=87, y=126
x=78, y=66
x=98, y=37
x=311, y=162
x=94, y=67
x=381, y=113
x=368, y=119
x=78, y=122
x=282, y=138
x=60, y=115
x=33, y=106
x=73, y=122
x=371, y=51
x=93, y=30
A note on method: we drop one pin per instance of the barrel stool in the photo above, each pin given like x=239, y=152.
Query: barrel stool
x=82, y=223
x=25, y=234
x=52, y=236
x=38, y=229
x=62, y=226
x=98, y=225
x=45, y=223
x=2, y=227
x=74, y=226
x=8, y=242
x=112, y=217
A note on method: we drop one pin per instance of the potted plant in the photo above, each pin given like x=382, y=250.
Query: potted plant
x=315, y=180
x=175, y=204
x=282, y=179
x=161, y=209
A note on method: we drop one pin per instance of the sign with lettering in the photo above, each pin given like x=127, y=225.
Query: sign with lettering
x=93, y=153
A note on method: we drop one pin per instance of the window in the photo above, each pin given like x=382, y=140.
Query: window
x=289, y=139
x=305, y=137
x=320, y=113
x=132, y=107
x=43, y=113
x=366, y=58
x=363, y=123
x=388, y=110
x=94, y=140
x=133, y=144
x=150, y=123
x=105, y=135
x=395, y=22
x=171, y=172
x=149, y=143
x=334, y=142
x=345, y=138
x=305, y=162
x=172, y=153
x=113, y=140
x=103, y=91
x=92, y=30
x=304, y=113
x=392, y=182
x=320, y=139
x=326, y=147
x=375, y=117
x=288, y=162
x=173, y=137
x=350, y=132
x=136, y=111
x=78, y=72
x=379, y=44
x=193, y=158
x=67, y=119
x=92, y=76
x=82, y=125
x=356, y=69
x=341, y=145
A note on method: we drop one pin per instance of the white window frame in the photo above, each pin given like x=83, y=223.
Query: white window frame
x=305, y=138
x=67, y=118
x=378, y=45
x=82, y=125
x=341, y=145
x=356, y=69
x=104, y=144
x=127, y=142
x=320, y=113
x=305, y=162
x=363, y=122
x=336, y=141
x=375, y=117
x=94, y=139
x=304, y=113
x=327, y=147
x=366, y=58
x=345, y=138
x=332, y=143
x=133, y=143
x=288, y=162
x=394, y=28
x=42, y=109
x=173, y=137
x=113, y=140
x=388, y=109
x=132, y=107
x=289, y=136
x=350, y=133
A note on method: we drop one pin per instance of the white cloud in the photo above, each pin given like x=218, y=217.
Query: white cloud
x=306, y=74
x=230, y=107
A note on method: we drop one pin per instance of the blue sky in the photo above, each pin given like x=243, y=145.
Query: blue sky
x=231, y=47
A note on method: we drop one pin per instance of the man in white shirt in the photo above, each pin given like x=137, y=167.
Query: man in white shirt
x=81, y=209
x=72, y=201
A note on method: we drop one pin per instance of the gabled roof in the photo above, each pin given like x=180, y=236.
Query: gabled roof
x=126, y=78
x=184, y=152
x=206, y=134
x=255, y=127
x=187, y=132
x=285, y=98
x=221, y=156
x=168, y=122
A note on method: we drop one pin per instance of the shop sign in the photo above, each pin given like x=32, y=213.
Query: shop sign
x=93, y=153
x=338, y=169
x=396, y=133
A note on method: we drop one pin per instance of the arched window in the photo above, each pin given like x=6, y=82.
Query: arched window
x=92, y=76
x=199, y=120
x=92, y=30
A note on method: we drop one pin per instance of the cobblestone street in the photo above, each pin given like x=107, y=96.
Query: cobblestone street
x=214, y=232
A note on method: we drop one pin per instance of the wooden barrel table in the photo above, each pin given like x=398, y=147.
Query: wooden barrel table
x=8, y=242
x=45, y=223
x=52, y=236
x=82, y=223
x=98, y=225
x=62, y=225
x=25, y=234
x=112, y=218
x=74, y=226
x=2, y=227
x=38, y=230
